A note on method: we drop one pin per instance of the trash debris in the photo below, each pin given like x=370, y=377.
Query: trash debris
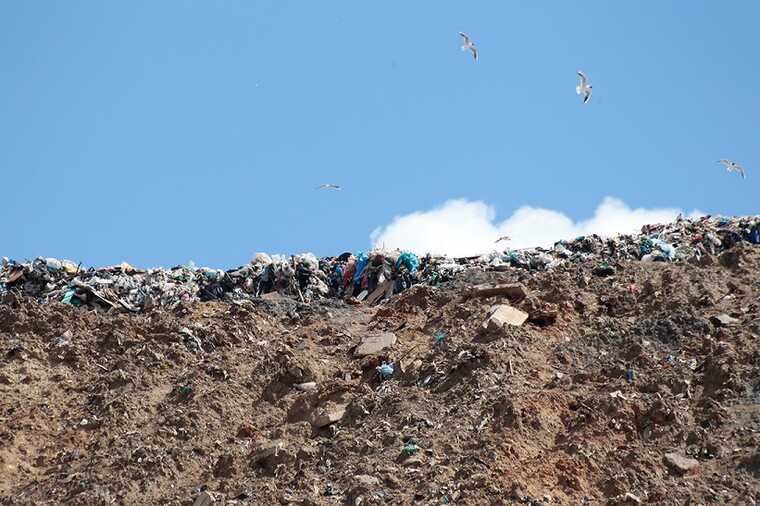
x=374, y=275
x=603, y=269
x=385, y=370
x=410, y=449
x=63, y=340
x=723, y=320
x=439, y=337
x=617, y=394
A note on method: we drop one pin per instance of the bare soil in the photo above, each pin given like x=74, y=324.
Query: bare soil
x=642, y=385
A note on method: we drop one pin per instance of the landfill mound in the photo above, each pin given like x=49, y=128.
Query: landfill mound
x=620, y=371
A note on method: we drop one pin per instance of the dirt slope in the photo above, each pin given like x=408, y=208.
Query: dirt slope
x=641, y=384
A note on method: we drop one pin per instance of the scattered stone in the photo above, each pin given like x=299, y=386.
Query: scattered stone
x=328, y=414
x=205, y=498
x=372, y=345
x=680, y=464
x=366, y=480
x=306, y=387
x=503, y=314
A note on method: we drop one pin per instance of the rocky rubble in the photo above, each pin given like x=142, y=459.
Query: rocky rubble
x=503, y=384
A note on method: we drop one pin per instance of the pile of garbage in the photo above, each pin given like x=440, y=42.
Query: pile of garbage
x=364, y=277
x=372, y=276
x=682, y=240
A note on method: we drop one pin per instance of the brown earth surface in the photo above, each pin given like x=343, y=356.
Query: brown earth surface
x=638, y=387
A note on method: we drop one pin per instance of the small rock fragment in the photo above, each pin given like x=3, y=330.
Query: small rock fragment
x=328, y=414
x=205, y=498
x=680, y=464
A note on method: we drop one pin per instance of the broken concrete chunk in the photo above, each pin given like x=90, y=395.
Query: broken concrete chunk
x=504, y=314
x=680, y=464
x=328, y=414
x=514, y=292
x=373, y=345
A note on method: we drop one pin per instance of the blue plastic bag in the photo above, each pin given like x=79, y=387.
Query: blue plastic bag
x=361, y=263
x=385, y=370
x=754, y=235
x=408, y=260
x=665, y=247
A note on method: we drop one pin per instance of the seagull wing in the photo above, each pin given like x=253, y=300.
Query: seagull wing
x=466, y=38
x=584, y=79
x=586, y=96
x=474, y=52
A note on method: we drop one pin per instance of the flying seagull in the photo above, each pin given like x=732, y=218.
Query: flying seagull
x=584, y=88
x=733, y=167
x=327, y=186
x=469, y=45
x=503, y=238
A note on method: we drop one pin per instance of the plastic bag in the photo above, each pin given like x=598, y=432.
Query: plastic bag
x=408, y=260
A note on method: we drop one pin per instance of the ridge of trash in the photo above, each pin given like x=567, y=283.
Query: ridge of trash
x=365, y=277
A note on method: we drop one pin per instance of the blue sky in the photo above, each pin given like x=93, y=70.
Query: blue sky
x=158, y=132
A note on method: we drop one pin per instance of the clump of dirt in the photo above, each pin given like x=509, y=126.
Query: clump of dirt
x=633, y=385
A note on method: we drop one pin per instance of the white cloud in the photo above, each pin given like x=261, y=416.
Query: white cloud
x=463, y=228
